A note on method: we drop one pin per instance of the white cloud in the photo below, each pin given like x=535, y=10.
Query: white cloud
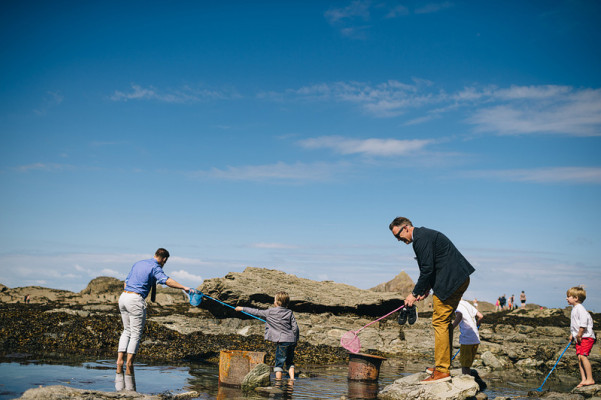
x=396, y=11
x=51, y=100
x=370, y=147
x=357, y=8
x=185, y=94
x=186, y=261
x=576, y=175
x=433, y=7
x=350, y=20
x=386, y=99
x=280, y=171
x=355, y=32
x=110, y=272
x=186, y=278
x=514, y=110
x=515, y=92
x=47, y=167
x=273, y=246
x=540, y=110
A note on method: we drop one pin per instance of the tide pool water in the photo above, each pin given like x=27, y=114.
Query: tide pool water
x=316, y=382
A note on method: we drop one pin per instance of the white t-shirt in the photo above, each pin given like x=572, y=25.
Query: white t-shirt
x=467, y=326
x=581, y=319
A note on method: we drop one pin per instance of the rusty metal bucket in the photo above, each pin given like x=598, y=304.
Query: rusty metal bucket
x=234, y=365
x=364, y=367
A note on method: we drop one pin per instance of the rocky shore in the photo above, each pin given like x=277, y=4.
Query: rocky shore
x=57, y=323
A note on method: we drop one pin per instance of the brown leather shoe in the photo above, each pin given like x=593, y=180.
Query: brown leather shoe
x=429, y=370
x=436, y=377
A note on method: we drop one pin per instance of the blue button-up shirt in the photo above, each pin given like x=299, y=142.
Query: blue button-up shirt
x=143, y=275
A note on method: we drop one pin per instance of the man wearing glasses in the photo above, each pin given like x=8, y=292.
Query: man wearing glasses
x=443, y=269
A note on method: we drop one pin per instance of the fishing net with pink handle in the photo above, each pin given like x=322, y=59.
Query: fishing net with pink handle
x=350, y=341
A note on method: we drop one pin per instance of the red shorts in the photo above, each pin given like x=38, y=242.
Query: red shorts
x=585, y=346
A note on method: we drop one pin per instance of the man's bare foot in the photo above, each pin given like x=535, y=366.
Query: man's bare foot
x=129, y=369
x=585, y=383
x=120, y=367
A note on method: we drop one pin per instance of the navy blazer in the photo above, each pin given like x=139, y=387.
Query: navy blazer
x=441, y=266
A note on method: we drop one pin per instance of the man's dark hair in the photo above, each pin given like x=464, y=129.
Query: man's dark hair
x=161, y=253
x=399, y=221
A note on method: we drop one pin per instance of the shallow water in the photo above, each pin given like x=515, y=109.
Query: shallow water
x=315, y=382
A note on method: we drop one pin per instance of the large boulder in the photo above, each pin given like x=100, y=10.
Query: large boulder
x=256, y=287
x=402, y=283
x=103, y=285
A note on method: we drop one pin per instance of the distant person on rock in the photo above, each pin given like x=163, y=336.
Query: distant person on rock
x=142, y=278
x=280, y=328
x=503, y=301
x=581, y=333
x=523, y=299
x=444, y=270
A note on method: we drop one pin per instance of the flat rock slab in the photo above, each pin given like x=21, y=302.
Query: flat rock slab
x=60, y=392
x=408, y=388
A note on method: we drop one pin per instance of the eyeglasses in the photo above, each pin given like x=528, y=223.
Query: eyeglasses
x=398, y=234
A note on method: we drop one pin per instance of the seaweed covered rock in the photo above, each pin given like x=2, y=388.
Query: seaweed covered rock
x=258, y=376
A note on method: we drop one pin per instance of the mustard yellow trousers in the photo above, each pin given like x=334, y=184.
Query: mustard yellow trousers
x=442, y=321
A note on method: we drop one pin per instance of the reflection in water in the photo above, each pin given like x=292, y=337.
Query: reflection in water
x=282, y=389
x=315, y=382
x=362, y=389
x=125, y=382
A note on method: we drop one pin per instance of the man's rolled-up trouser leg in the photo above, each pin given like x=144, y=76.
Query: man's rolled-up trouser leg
x=133, y=314
x=124, y=339
x=442, y=319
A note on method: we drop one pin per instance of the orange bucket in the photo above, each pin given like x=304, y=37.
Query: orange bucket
x=234, y=365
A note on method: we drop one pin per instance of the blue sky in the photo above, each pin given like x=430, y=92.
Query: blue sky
x=288, y=135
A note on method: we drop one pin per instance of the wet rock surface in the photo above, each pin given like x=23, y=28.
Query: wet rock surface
x=59, y=392
x=409, y=388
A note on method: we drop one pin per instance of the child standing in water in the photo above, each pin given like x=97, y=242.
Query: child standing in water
x=280, y=328
x=581, y=332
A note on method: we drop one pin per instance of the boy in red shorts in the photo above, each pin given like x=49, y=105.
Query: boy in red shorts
x=581, y=332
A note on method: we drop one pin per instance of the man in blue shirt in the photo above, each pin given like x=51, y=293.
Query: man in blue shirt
x=142, y=278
